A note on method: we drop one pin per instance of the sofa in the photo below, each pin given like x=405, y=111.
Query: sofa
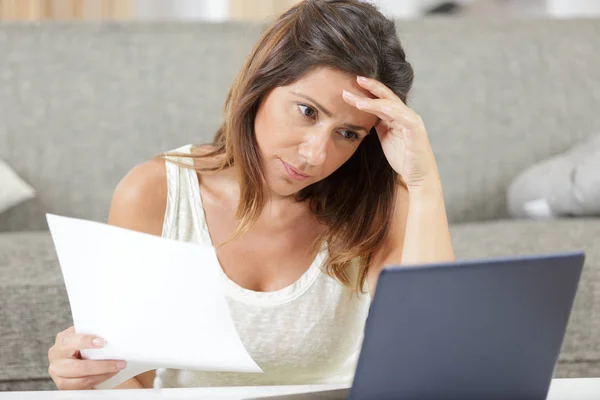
x=82, y=103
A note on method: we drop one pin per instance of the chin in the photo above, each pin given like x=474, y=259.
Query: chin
x=284, y=188
x=279, y=184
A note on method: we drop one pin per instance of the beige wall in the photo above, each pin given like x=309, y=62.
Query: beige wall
x=258, y=9
x=64, y=9
x=124, y=9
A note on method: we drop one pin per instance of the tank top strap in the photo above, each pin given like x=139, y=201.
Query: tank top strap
x=183, y=195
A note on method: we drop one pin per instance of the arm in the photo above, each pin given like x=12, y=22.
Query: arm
x=419, y=230
x=139, y=204
x=427, y=238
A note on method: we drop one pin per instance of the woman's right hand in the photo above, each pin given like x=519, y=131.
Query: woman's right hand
x=69, y=371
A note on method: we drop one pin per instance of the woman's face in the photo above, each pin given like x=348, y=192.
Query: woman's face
x=305, y=131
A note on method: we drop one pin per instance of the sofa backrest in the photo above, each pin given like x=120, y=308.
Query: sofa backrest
x=82, y=103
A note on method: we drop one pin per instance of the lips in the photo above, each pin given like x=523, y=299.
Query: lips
x=293, y=172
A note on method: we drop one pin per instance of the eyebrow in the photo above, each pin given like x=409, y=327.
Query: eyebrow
x=329, y=113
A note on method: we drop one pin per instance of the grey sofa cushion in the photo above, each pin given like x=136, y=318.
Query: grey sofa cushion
x=34, y=305
x=127, y=93
x=27, y=385
x=580, y=355
x=487, y=91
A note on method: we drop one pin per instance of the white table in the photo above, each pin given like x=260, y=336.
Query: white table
x=561, y=389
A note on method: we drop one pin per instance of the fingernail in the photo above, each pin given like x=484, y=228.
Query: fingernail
x=362, y=79
x=98, y=342
x=348, y=94
x=121, y=365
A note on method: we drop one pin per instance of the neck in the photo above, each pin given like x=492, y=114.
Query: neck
x=276, y=207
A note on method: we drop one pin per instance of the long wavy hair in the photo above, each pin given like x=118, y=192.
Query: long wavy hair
x=355, y=202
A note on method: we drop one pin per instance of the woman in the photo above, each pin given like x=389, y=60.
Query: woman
x=319, y=176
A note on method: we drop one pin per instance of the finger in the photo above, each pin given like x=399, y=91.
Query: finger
x=83, y=383
x=384, y=109
x=68, y=368
x=394, y=112
x=390, y=111
x=69, y=331
x=356, y=100
x=377, y=88
x=67, y=344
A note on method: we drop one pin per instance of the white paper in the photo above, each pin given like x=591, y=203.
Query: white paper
x=157, y=302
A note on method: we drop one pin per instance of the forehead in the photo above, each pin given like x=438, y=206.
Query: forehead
x=325, y=86
x=329, y=82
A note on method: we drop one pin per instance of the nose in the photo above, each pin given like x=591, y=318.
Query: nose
x=313, y=148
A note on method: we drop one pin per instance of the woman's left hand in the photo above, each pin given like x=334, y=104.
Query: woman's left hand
x=401, y=132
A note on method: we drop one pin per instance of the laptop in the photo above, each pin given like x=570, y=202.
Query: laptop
x=481, y=329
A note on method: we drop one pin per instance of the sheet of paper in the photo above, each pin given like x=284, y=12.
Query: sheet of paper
x=157, y=302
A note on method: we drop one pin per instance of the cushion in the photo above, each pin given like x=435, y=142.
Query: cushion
x=33, y=305
x=13, y=190
x=580, y=355
x=567, y=184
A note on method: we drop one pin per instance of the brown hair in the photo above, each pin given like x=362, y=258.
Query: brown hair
x=356, y=201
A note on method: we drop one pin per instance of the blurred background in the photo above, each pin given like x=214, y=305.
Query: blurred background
x=223, y=10
x=509, y=91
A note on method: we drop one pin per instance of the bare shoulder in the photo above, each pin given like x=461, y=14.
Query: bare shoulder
x=139, y=200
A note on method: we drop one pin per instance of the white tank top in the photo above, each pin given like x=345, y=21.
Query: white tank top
x=309, y=332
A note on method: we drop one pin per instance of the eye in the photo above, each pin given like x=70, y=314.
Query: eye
x=307, y=111
x=349, y=135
